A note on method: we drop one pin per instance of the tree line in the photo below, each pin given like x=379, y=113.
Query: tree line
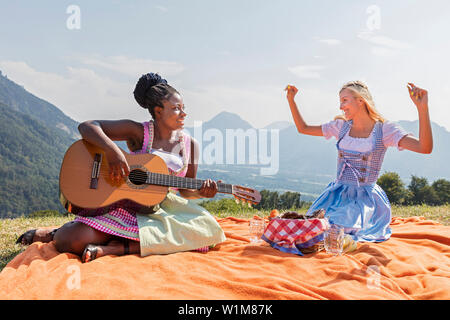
x=417, y=192
x=274, y=200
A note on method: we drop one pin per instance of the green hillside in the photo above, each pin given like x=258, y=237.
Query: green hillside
x=30, y=158
x=19, y=99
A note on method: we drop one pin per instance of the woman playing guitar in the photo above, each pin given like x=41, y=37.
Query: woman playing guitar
x=126, y=227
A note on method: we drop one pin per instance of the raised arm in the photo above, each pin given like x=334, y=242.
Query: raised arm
x=425, y=142
x=301, y=125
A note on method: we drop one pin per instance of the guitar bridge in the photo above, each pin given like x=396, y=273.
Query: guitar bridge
x=96, y=170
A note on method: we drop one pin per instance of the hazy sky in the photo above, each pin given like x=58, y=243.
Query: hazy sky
x=234, y=56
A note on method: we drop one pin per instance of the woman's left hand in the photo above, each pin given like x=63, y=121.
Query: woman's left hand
x=418, y=95
x=209, y=188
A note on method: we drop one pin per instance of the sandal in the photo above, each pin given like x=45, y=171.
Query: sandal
x=92, y=250
x=27, y=238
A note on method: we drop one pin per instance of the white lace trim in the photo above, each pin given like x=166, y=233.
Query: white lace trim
x=357, y=144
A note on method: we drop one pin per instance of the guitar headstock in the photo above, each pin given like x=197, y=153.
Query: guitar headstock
x=248, y=195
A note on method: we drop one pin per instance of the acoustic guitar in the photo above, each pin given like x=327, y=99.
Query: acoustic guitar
x=84, y=180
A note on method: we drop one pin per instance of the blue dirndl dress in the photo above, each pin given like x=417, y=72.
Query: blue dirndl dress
x=354, y=200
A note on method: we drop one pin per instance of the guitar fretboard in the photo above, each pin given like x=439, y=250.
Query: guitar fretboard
x=183, y=183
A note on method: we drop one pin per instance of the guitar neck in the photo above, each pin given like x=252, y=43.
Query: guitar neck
x=183, y=183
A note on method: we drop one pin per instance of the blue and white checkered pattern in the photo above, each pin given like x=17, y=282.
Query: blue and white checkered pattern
x=360, y=168
x=354, y=200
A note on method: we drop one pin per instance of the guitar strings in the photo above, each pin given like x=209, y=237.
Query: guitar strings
x=154, y=175
x=179, y=181
x=166, y=182
x=157, y=179
x=145, y=190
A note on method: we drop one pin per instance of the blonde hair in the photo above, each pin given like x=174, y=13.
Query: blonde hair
x=360, y=90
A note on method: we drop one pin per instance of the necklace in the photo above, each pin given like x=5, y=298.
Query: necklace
x=151, y=127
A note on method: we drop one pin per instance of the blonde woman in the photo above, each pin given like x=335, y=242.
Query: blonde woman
x=354, y=200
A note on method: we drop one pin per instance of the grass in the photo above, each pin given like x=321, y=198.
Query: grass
x=11, y=229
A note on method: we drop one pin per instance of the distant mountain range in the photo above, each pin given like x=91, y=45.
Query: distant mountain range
x=307, y=163
x=35, y=134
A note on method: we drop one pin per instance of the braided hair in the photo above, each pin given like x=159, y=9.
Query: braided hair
x=151, y=90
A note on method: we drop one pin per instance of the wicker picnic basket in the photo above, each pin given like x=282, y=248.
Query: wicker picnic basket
x=318, y=214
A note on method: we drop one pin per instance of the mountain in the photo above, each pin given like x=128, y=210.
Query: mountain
x=432, y=166
x=280, y=125
x=306, y=163
x=30, y=158
x=17, y=98
x=222, y=121
x=319, y=155
x=35, y=134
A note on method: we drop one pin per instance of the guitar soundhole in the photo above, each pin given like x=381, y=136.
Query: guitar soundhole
x=137, y=177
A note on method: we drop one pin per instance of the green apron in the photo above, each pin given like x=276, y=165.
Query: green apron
x=177, y=225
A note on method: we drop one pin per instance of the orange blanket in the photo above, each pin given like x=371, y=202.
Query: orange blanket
x=413, y=264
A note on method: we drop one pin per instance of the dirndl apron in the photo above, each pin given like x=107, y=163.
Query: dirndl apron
x=354, y=200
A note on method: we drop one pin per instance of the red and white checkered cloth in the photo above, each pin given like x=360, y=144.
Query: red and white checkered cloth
x=290, y=235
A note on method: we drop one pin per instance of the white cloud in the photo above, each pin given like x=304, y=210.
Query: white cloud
x=86, y=92
x=328, y=41
x=383, y=40
x=383, y=46
x=132, y=66
x=83, y=94
x=331, y=42
x=382, y=52
x=307, y=71
x=162, y=8
x=259, y=105
x=80, y=93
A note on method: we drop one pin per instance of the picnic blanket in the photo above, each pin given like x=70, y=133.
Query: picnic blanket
x=413, y=264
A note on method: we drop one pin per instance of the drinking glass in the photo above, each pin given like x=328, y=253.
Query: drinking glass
x=256, y=228
x=334, y=239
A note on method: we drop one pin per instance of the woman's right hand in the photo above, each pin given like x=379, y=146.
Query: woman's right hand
x=118, y=166
x=291, y=91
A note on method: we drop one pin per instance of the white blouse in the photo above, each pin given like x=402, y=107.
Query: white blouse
x=392, y=134
x=173, y=161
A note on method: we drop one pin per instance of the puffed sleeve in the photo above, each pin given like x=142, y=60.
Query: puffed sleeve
x=392, y=134
x=332, y=128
